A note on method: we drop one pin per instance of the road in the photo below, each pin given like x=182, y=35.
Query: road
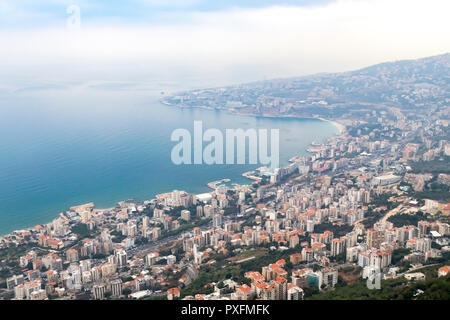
x=391, y=213
x=415, y=269
x=142, y=250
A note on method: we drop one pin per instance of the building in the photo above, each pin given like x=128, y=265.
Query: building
x=39, y=294
x=173, y=293
x=337, y=247
x=374, y=238
x=171, y=259
x=24, y=291
x=243, y=292
x=443, y=271
x=150, y=258
x=185, y=215
x=307, y=254
x=295, y=258
x=72, y=255
x=385, y=180
x=116, y=288
x=329, y=277
x=293, y=241
x=294, y=292
x=108, y=269
x=121, y=257
x=281, y=285
x=415, y=276
x=199, y=211
x=14, y=281
x=98, y=291
x=217, y=221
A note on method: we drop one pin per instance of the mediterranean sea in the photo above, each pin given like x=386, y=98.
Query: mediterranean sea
x=52, y=157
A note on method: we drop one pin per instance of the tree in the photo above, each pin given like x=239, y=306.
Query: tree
x=341, y=257
x=399, y=254
x=81, y=230
x=126, y=291
x=341, y=282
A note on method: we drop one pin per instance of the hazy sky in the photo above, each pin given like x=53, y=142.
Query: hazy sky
x=197, y=42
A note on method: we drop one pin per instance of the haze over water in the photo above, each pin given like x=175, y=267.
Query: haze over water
x=54, y=156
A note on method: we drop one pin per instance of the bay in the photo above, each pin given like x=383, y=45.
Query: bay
x=53, y=157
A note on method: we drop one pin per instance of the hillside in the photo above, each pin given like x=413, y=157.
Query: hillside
x=408, y=85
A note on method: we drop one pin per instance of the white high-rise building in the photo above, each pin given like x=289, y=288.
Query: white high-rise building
x=116, y=288
x=98, y=291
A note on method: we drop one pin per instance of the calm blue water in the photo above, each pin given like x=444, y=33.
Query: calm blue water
x=53, y=157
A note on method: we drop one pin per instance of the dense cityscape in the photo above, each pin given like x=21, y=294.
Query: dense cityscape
x=373, y=201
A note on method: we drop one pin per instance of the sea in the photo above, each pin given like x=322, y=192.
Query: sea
x=54, y=156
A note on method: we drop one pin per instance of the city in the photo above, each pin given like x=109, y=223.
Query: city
x=372, y=202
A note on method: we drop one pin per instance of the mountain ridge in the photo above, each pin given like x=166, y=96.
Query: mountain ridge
x=403, y=84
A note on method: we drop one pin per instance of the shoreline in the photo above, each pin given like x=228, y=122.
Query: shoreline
x=341, y=127
x=338, y=125
x=246, y=175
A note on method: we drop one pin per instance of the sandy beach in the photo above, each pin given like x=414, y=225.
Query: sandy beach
x=338, y=125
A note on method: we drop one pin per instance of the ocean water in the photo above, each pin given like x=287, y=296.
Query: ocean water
x=53, y=157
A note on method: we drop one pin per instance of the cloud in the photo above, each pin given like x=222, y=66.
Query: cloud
x=237, y=44
x=208, y=5
x=171, y=3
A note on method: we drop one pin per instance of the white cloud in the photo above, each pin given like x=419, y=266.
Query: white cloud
x=246, y=43
x=169, y=3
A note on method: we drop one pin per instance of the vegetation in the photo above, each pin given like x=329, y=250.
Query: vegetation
x=231, y=209
x=383, y=200
x=372, y=217
x=224, y=269
x=117, y=236
x=185, y=227
x=400, y=220
x=126, y=291
x=81, y=230
x=435, y=166
x=338, y=231
x=442, y=260
x=399, y=254
x=364, y=129
x=396, y=289
x=156, y=298
x=9, y=258
x=434, y=195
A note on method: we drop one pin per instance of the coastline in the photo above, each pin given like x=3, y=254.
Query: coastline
x=246, y=175
x=338, y=125
x=341, y=127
